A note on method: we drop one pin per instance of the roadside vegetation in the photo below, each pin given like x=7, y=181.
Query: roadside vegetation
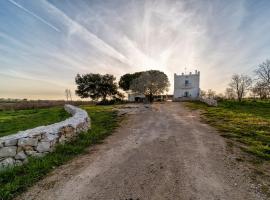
x=15, y=180
x=247, y=122
x=13, y=121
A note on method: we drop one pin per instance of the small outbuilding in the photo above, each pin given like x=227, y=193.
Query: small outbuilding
x=136, y=97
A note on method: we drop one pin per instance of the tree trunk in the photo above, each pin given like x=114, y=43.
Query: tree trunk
x=151, y=98
x=104, y=98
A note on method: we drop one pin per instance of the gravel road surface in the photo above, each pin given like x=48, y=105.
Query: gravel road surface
x=158, y=153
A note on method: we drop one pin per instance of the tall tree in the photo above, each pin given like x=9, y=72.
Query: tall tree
x=240, y=84
x=260, y=89
x=108, y=86
x=263, y=73
x=150, y=83
x=96, y=86
x=68, y=94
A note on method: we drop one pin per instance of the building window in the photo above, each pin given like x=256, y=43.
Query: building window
x=186, y=94
x=186, y=82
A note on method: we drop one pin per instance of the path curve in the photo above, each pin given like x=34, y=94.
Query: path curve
x=161, y=153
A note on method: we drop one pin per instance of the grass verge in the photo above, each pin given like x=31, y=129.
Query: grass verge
x=247, y=122
x=14, y=121
x=15, y=180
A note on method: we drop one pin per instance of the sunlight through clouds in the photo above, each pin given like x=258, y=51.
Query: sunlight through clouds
x=51, y=41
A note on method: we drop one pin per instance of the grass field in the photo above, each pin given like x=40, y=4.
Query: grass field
x=15, y=180
x=247, y=122
x=14, y=121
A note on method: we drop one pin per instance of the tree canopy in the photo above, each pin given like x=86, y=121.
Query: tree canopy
x=150, y=83
x=126, y=80
x=96, y=86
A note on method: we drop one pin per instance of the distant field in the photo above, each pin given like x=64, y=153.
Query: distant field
x=247, y=122
x=19, y=120
x=6, y=105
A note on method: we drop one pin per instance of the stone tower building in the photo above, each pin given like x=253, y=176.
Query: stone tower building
x=187, y=86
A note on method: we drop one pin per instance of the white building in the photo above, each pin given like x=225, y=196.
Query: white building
x=186, y=86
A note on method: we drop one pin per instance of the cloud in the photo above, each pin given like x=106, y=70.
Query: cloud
x=75, y=28
x=34, y=15
x=218, y=38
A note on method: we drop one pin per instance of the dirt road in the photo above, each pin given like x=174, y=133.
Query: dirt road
x=161, y=153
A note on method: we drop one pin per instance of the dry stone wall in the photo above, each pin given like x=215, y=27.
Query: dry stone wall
x=15, y=149
x=209, y=102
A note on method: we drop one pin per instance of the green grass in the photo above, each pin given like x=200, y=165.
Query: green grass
x=13, y=121
x=15, y=180
x=247, y=122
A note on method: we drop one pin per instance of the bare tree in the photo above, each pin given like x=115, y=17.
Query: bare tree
x=229, y=93
x=210, y=94
x=67, y=94
x=260, y=89
x=263, y=73
x=240, y=84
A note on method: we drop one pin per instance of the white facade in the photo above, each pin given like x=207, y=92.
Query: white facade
x=187, y=85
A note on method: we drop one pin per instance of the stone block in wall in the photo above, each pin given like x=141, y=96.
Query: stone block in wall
x=43, y=147
x=80, y=127
x=20, y=156
x=34, y=154
x=67, y=131
x=11, y=142
x=8, y=151
x=62, y=139
x=25, y=148
x=209, y=102
x=30, y=152
x=28, y=142
x=48, y=137
x=38, y=136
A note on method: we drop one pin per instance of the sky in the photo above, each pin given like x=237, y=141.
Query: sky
x=44, y=44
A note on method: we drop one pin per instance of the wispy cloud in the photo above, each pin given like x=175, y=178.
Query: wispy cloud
x=34, y=15
x=77, y=29
x=218, y=38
